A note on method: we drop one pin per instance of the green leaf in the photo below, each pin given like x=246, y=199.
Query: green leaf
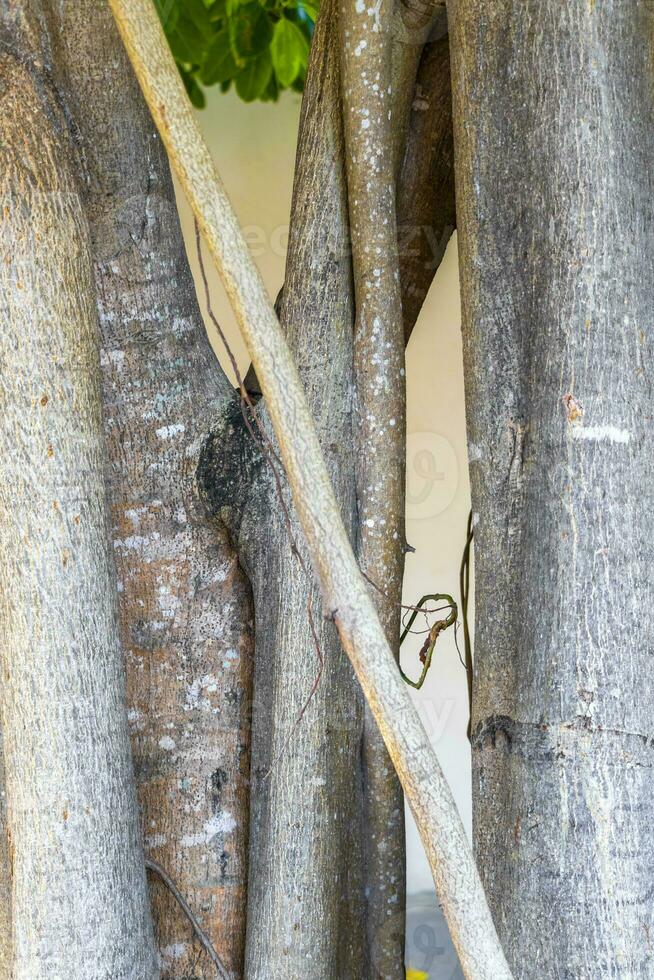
x=198, y=14
x=310, y=9
x=195, y=93
x=218, y=10
x=271, y=91
x=219, y=64
x=289, y=50
x=249, y=31
x=298, y=84
x=186, y=42
x=168, y=11
x=253, y=80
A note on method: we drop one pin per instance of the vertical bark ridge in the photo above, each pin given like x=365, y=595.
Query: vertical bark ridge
x=185, y=604
x=379, y=435
x=79, y=897
x=554, y=128
x=305, y=899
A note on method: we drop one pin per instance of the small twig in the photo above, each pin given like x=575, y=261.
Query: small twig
x=186, y=909
x=402, y=605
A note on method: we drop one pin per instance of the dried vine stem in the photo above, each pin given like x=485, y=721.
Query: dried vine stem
x=344, y=590
x=464, y=588
x=188, y=912
x=379, y=426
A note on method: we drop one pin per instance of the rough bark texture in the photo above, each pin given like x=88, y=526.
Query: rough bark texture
x=305, y=904
x=5, y=878
x=414, y=24
x=426, y=209
x=346, y=600
x=379, y=437
x=79, y=897
x=185, y=605
x=554, y=126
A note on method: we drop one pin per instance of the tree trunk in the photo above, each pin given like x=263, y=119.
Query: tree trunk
x=185, y=604
x=305, y=901
x=79, y=897
x=379, y=438
x=426, y=208
x=554, y=134
x=346, y=597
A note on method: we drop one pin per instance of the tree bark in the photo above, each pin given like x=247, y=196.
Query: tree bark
x=346, y=601
x=554, y=128
x=305, y=914
x=185, y=604
x=79, y=898
x=5, y=878
x=379, y=438
x=426, y=208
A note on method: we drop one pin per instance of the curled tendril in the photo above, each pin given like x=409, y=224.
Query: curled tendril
x=427, y=650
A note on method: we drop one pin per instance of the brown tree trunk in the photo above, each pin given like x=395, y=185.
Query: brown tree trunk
x=426, y=210
x=554, y=126
x=185, y=604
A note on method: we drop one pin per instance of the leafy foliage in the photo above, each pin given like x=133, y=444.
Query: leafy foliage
x=262, y=46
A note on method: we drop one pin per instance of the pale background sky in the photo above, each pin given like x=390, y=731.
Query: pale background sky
x=254, y=149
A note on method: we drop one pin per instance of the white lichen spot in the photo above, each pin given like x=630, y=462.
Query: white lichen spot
x=168, y=603
x=601, y=433
x=194, y=699
x=220, y=823
x=134, y=542
x=175, y=951
x=170, y=431
x=167, y=743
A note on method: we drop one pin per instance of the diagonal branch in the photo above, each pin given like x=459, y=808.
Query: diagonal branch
x=345, y=593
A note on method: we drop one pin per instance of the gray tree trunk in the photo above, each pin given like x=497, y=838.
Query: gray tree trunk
x=317, y=307
x=185, y=604
x=305, y=900
x=79, y=899
x=379, y=440
x=554, y=135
